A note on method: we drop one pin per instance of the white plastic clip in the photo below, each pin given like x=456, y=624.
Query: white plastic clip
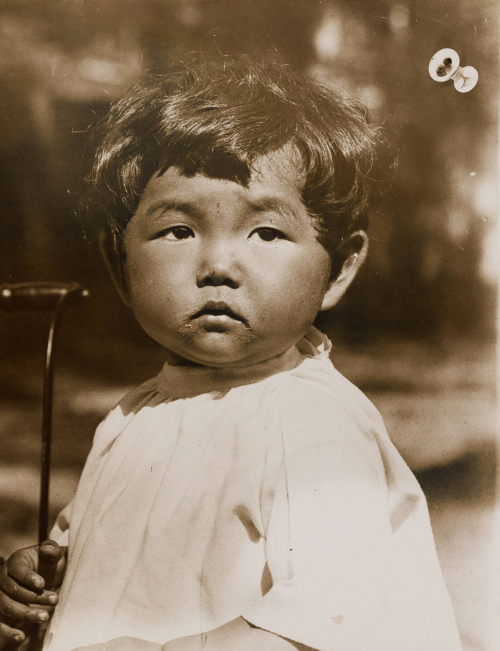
x=445, y=65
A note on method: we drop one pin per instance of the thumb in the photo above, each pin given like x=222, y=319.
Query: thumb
x=51, y=563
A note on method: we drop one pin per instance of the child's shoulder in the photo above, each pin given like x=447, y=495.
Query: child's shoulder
x=138, y=397
x=316, y=384
x=326, y=425
x=126, y=409
x=310, y=411
x=316, y=389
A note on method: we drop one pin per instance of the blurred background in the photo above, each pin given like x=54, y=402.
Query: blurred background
x=417, y=330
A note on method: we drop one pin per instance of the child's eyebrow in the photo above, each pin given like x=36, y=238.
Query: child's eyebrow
x=279, y=205
x=171, y=204
x=276, y=204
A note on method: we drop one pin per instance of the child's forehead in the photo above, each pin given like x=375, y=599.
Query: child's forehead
x=275, y=185
x=280, y=172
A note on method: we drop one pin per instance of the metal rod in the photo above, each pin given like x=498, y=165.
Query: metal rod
x=48, y=383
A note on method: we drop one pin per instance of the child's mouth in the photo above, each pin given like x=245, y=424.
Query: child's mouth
x=218, y=312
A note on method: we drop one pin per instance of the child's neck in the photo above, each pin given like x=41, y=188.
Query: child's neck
x=184, y=380
x=292, y=355
x=177, y=360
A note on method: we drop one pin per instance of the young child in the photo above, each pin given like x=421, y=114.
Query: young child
x=248, y=497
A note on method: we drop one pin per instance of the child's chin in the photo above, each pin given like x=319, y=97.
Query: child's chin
x=221, y=348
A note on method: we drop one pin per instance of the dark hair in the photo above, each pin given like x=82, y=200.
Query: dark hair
x=217, y=118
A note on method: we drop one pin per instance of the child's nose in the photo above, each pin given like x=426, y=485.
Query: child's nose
x=218, y=267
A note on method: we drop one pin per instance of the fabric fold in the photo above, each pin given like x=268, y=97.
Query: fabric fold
x=271, y=492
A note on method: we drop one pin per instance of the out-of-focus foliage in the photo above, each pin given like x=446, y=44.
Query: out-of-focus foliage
x=433, y=252
x=425, y=296
x=63, y=61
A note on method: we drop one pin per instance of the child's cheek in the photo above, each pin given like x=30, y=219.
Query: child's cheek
x=298, y=297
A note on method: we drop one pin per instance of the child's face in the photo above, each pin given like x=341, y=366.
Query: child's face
x=224, y=275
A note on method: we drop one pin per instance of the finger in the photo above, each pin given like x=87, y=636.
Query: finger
x=16, y=592
x=21, y=567
x=22, y=613
x=10, y=634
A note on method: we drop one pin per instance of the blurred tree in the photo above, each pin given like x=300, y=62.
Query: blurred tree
x=425, y=274
x=61, y=63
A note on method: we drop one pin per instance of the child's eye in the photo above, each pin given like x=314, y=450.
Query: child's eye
x=267, y=234
x=176, y=233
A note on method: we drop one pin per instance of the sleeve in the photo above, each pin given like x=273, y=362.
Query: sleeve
x=106, y=432
x=329, y=537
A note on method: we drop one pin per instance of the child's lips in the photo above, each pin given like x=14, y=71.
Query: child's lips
x=218, y=312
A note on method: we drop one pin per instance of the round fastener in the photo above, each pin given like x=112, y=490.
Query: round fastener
x=445, y=65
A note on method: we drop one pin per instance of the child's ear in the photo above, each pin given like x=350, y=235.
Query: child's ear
x=353, y=252
x=114, y=265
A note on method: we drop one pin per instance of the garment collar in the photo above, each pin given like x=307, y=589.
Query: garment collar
x=185, y=381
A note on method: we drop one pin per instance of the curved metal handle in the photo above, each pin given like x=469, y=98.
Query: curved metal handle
x=39, y=296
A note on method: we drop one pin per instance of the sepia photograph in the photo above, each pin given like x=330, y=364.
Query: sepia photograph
x=249, y=261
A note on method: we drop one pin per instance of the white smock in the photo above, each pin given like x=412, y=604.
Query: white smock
x=271, y=493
